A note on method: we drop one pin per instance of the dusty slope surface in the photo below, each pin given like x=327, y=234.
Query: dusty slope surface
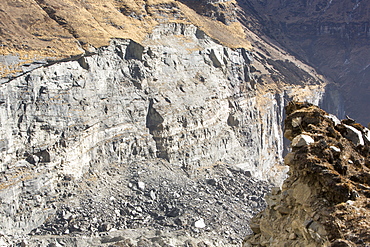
x=40, y=30
x=332, y=36
x=326, y=199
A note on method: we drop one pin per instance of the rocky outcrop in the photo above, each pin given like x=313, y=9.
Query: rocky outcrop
x=88, y=131
x=183, y=98
x=37, y=32
x=325, y=200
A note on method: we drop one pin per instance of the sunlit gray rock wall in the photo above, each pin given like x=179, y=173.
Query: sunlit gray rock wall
x=179, y=96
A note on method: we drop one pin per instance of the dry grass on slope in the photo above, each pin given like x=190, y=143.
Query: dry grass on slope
x=55, y=29
x=229, y=35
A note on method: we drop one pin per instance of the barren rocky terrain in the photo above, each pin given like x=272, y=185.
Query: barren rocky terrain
x=154, y=122
x=325, y=201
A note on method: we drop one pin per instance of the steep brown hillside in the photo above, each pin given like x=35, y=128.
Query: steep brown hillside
x=41, y=30
x=326, y=199
x=333, y=36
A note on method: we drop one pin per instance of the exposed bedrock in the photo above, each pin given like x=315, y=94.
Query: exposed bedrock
x=179, y=97
x=325, y=200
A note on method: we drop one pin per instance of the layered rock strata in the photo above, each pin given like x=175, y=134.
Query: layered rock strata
x=181, y=99
x=172, y=93
x=325, y=200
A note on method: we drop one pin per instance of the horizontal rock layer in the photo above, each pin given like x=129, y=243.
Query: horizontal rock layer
x=180, y=97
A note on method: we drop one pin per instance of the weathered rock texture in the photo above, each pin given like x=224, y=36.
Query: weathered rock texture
x=183, y=99
x=34, y=32
x=178, y=90
x=325, y=201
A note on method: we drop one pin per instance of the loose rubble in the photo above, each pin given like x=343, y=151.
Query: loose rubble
x=211, y=205
x=326, y=199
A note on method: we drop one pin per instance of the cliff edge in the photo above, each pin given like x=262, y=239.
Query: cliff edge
x=326, y=199
x=142, y=121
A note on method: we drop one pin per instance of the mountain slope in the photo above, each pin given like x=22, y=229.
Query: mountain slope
x=37, y=30
x=148, y=111
x=325, y=200
x=332, y=36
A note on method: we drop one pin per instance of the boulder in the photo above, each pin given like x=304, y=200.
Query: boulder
x=199, y=223
x=302, y=140
x=353, y=135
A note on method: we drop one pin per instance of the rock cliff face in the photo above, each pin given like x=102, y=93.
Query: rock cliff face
x=325, y=200
x=332, y=36
x=79, y=130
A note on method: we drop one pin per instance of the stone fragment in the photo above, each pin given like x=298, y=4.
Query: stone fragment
x=33, y=159
x=296, y=122
x=255, y=227
x=248, y=173
x=189, y=243
x=128, y=242
x=292, y=236
x=105, y=227
x=212, y=181
x=318, y=228
x=174, y=212
x=141, y=185
x=301, y=193
x=152, y=195
x=334, y=118
x=342, y=243
x=283, y=209
x=266, y=228
x=67, y=215
x=288, y=159
x=180, y=221
x=354, y=135
x=203, y=244
x=302, y=140
x=335, y=149
x=288, y=134
x=200, y=223
x=275, y=190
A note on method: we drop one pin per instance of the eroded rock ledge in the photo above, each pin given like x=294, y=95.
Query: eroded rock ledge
x=326, y=199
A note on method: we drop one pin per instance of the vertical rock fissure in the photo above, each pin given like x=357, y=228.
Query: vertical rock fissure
x=154, y=122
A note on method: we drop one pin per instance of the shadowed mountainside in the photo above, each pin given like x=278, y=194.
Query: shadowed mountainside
x=332, y=36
